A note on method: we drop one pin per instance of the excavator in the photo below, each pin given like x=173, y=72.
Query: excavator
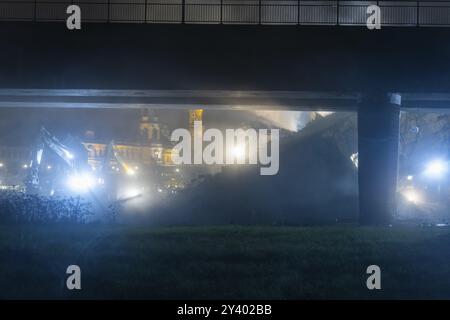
x=111, y=154
x=121, y=187
x=120, y=180
x=75, y=174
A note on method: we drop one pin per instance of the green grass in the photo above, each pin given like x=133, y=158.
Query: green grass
x=224, y=262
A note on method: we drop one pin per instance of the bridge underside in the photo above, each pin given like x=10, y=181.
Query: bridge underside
x=233, y=67
x=208, y=99
x=223, y=57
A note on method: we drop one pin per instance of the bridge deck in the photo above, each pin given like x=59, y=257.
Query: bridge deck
x=213, y=99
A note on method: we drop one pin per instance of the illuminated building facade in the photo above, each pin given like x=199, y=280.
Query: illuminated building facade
x=151, y=148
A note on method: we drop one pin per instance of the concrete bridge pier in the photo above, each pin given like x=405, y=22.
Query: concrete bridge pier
x=378, y=141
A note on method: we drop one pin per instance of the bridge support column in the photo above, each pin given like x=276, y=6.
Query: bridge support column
x=378, y=139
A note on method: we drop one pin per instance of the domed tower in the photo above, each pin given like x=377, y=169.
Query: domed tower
x=149, y=127
x=150, y=133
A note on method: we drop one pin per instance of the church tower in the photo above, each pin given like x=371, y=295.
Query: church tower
x=149, y=127
x=150, y=133
x=195, y=115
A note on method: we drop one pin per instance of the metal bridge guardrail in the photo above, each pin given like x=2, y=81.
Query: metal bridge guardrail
x=275, y=12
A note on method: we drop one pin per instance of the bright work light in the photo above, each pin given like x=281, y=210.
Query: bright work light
x=81, y=182
x=436, y=169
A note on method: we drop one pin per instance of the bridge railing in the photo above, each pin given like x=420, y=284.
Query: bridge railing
x=277, y=12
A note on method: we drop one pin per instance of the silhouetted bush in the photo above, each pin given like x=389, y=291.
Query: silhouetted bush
x=21, y=208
